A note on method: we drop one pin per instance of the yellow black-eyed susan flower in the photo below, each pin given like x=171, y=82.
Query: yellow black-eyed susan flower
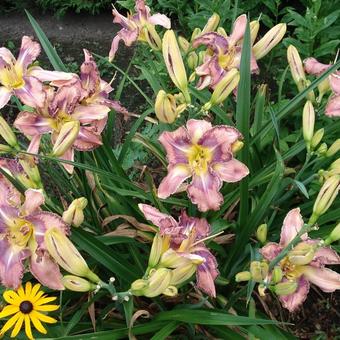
x=25, y=306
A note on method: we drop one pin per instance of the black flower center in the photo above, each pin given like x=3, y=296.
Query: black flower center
x=26, y=307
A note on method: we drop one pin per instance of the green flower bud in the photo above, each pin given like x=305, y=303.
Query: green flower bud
x=316, y=139
x=243, y=276
x=302, y=254
x=7, y=134
x=285, y=288
x=77, y=284
x=334, y=148
x=277, y=274
x=261, y=233
x=259, y=270
x=334, y=235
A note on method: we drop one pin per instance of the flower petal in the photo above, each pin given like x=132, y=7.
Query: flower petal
x=334, y=82
x=32, y=124
x=163, y=221
x=32, y=93
x=270, y=251
x=196, y=129
x=293, y=301
x=177, y=144
x=10, y=323
x=239, y=28
x=312, y=66
x=292, y=224
x=204, y=191
x=33, y=200
x=17, y=326
x=44, y=75
x=231, y=171
x=8, y=310
x=160, y=19
x=89, y=113
x=42, y=317
x=28, y=329
x=177, y=174
x=328, y=280
x=87, y=139
x=38, y=325
x=68, y=156
x=5, y=96
x=34, y=144
x=333, y=107
x=7, y=55
x=217, y=42
x=29, y=51
x=325, y=255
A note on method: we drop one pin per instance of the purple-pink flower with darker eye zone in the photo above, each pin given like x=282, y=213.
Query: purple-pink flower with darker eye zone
x=186, y=238
x=140, y=26
x=304, y=264
x=204, y=153
x=22, y=229
x=314, y=67
x=24, y=81
x=75, y=114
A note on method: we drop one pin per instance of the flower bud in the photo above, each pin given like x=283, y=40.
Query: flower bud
x=77, y=284
x=138, y=286
x=192, y=60
x=183, y=44
x=67, y=135
x=5, y=149
x=308, y=121
x=285, y=288
x=269, y=41
x=31, y=177
x=322, y=149
x=66, y=254
x=74, y=214
x=174, y=63
x=223, y=88
x=316, y=139
x=183, y=273
x=323, y=88
x=326, y=196
x=254, y=29
x=334, y=148
x=277, y=274
x=221, y=30
x=335, y=165
x=243, y=276
x=165, y=107
x=211, y=24
x=258, y=270
x=196, y=32
x=7, y=134
x=236, y=146
x=302, y=254
x=171, y=291
x=156, y=250
x=262, y=289
x=158, y=282
x=261, y=233
x=334, y=235
x=296, y=66
x=310, y=95
x=151, y=36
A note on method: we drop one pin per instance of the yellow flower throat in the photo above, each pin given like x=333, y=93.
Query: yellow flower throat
x=199, y=157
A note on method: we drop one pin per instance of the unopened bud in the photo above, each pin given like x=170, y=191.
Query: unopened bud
x=156, y=250
x=165, y=107
x=254, y=29
x=77, y=284
x=5, y=149
x=138, y=286
x=259, y=270
x=262, y=289
x=66, y=137
x=74, y=215
x=7, y=134
x=196, y=32
x=170, y=291
x=310, y=95
x=323, y=88
x=322, y=149
x=296, y=66
x=261, y=233
x=192, y=60
x=335, y=165
x=334, y=148
x=151, y=36
x=182, y=274
x=308, y=121
x=277, y=274
x=211, y=24
x=183, y=44
x=326, y=196
x=221, y=30
x=201, y=57
x=317, y=137
x=237, y=146
x=302, y=254
x=269, y=41
x=334, y=235
x=243, y=276
x=285, y=288
x=158, y=282
x=223, y=88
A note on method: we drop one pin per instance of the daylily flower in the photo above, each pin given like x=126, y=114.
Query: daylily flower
x=304, y=264
x=183, y=244
x=224, y=52
x=75, y=114
x=22, y=229
x=139, y=26
x=24, y=81
x=204, y=153
x=314, y=67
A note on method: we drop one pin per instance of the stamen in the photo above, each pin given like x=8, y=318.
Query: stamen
x=208, y=238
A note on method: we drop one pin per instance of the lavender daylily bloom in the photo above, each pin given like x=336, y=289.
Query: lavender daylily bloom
x=24, y=81
x=22, y=229
x=186, y=238
x=204, y=153
x=82, y=104
x=305, y=269
x=314, y=67
x=139, y=26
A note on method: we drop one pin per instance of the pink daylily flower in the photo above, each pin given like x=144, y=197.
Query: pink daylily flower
x=83, y=101
x=311, y=271
x=18, y=78
x=186, y=238
x=133, y=27
x=314, y=67
x=204, y=153
x=223, y=54
x=22, y=229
